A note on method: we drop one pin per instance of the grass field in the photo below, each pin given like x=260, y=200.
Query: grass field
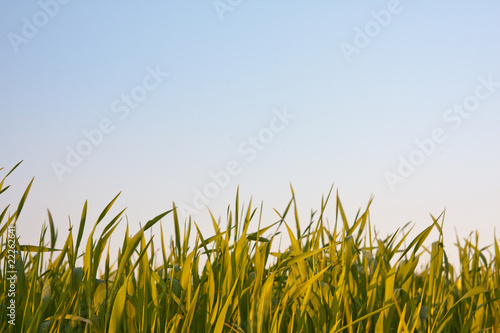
x=339, y=278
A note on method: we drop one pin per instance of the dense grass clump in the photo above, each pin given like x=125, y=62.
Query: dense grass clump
x=331, y=279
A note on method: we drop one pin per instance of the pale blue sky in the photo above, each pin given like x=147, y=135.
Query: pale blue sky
x=353, y=119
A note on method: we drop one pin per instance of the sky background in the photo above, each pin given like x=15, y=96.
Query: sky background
x=359, y=93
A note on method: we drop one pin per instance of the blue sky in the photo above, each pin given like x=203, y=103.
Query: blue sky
x=174, y=92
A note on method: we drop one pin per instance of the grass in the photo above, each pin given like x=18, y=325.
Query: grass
x=331, y=279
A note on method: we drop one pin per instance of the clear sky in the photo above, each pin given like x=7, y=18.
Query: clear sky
x=183, y=101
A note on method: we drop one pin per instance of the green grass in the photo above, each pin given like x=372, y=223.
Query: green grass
x=340, y=278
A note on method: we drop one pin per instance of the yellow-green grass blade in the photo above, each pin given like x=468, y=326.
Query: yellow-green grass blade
x=23, y=199
x=115, y=323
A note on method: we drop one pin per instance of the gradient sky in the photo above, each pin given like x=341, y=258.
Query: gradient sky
x=362, y=81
